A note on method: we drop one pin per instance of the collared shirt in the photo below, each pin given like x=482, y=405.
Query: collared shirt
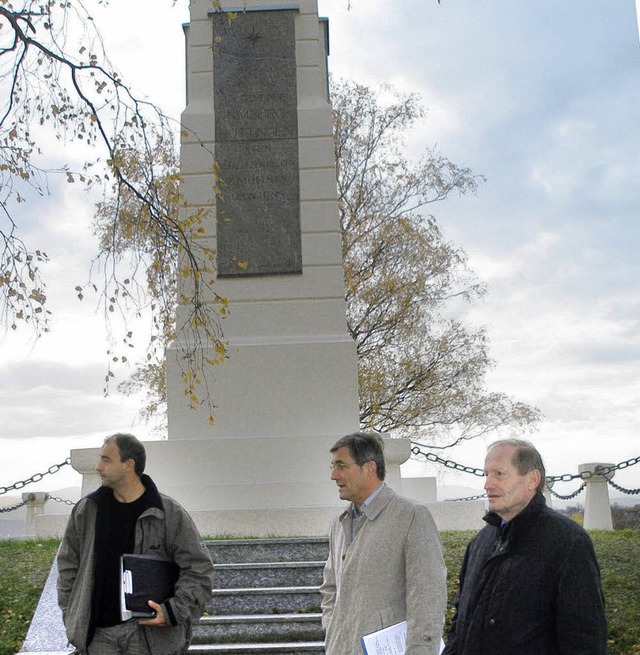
x=358, y=516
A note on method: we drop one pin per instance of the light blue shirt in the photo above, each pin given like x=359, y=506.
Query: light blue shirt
x=355, y=514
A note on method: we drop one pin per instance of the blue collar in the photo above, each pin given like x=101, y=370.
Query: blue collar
x=368, y=501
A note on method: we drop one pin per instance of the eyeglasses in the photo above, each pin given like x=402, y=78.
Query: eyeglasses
x=340, y=466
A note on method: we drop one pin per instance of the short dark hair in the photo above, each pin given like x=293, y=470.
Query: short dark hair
x=130, y=448
x=364, y=447
x=525, y=458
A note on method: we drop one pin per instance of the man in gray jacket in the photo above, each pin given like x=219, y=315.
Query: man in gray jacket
x=128, y=514
x=385, y=561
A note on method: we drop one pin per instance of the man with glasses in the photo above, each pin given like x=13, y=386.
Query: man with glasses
x=385, y=561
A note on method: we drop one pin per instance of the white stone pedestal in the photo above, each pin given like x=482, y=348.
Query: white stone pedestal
x=597, y=507
x=251, y=487
x=35, y=507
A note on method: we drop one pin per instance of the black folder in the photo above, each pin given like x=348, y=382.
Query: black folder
x=144, y=578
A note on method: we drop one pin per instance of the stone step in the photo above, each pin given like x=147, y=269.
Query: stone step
x=284, y=648
x=267, y=600
x=258, y=628
x=298, y=549
x=268, y=574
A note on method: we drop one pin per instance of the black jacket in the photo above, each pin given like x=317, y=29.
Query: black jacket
x=529, y=588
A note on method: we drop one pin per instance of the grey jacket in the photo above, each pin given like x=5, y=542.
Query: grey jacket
x=392, y=571
x=165, y=530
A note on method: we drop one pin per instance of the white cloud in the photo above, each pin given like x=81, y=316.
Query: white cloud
x=542, y=99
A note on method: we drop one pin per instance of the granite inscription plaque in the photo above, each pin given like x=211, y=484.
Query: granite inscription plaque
x=256, y=125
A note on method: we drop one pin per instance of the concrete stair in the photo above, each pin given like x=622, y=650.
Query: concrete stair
x=266, y=598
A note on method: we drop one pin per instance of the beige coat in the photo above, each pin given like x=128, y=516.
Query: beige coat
x=392, y=571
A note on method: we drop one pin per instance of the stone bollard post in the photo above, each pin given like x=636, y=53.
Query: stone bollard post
x=597, y=508
x=35, y=505
x=84, y=461
x=396, y=452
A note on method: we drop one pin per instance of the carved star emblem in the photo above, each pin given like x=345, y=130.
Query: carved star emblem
x=254, y=36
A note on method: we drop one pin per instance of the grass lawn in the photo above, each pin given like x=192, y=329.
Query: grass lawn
x=619, y=557
x=24, y=566
x=618, y=553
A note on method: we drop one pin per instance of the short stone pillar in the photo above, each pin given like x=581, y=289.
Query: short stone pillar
x=84, y=461
x=396, y=452
x=597, y=508
x=35, y=505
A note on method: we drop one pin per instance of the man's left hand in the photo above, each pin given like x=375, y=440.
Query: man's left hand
x=159, y=620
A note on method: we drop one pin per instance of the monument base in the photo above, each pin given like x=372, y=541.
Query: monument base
x=271, y=522
x=251, y=487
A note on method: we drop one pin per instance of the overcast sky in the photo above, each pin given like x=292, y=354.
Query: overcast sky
x=541, y=98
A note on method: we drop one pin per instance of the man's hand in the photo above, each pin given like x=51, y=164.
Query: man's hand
x=159, y=620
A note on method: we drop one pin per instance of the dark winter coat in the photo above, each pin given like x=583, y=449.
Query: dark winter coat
x=531, y=587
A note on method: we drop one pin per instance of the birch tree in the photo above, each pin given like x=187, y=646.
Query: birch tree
x=421, y=370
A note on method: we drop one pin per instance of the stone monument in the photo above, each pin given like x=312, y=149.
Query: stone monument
x=257, y=99
x=258, y=106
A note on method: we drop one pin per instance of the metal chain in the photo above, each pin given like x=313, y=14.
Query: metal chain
x=431, y=457
x=35, y=478
x=32, y=497
x=11, y=508
x=455, y=500
x=622, y=489
x=570, y=496
x=60, y=500
x=600, y=470
x=584, y=475
x=567, y=477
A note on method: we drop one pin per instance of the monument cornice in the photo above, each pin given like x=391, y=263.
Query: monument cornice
x=246, y=10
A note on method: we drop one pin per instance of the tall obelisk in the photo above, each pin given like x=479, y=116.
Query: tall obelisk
x=258, y=107
x=258, y=100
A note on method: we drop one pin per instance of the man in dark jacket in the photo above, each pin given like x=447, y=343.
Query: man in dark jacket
x=530, y=582
x=128, y=514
